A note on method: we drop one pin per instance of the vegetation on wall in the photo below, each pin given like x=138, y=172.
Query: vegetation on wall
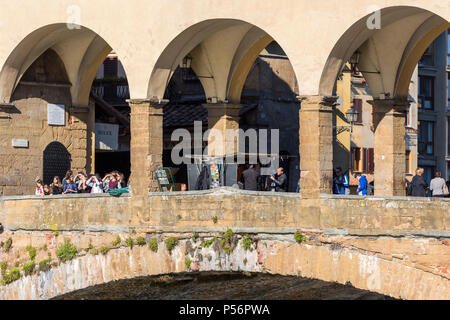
x=66, y=251
x=171, y=243
x=153, y=244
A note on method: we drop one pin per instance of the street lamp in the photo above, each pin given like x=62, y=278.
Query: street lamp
x=352, y=117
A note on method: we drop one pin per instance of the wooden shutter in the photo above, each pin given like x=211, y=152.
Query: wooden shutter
x=365, y=160
x=357, y=105
x=352, y=152
x=371, y=164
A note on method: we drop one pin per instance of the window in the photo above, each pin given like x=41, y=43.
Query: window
x=408, y=117
x=356, y=160
x=407, y=161
x=357, y=105
x=426, y=92
x=363, y=160
x=426, y=138
x=448, y=47
x=448, y=136
x=448, y=91
x=428, y=56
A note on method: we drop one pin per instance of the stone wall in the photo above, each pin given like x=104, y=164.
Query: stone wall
x=44, y=82
x=395, y=246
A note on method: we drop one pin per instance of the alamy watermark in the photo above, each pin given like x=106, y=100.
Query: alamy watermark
x=374, y=20
x=74, y=17
x=231, y=147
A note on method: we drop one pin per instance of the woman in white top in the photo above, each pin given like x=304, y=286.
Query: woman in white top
x=39, y=188
x=95, y=183
x=437, y=185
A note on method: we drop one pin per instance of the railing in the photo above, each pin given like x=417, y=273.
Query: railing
x=112, y=91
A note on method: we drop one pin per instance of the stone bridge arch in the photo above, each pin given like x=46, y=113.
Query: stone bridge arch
x=282, y=256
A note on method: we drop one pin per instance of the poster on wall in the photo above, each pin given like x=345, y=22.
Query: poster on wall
x=56, y=114
x=106, y=136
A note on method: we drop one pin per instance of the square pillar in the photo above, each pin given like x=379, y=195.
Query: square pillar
x=146, y=145
x=389, y=146
x=223, y=120
x=316, y=145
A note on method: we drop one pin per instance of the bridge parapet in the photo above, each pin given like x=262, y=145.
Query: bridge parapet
x=395, y=246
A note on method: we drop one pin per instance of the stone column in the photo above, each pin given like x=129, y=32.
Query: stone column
x=146, y=146
x=316, y=145
x=389, y=145
x=223, y=117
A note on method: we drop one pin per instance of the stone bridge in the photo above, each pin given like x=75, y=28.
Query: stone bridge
x=398, y=247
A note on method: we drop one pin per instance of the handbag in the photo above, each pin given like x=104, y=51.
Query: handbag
x=445, y=190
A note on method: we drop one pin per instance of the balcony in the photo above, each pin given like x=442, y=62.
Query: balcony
x=114, y=91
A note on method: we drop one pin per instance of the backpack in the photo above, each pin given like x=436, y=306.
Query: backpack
x=409, y=189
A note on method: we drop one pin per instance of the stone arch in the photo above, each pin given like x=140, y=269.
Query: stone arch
x=81, y=49
x=327, y=263
x=405, y=33
x=222, y=66
x=56, y=161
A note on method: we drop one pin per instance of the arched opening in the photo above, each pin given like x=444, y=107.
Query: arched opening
x=394, y=133
x=230, y=286
x=56, y=162
x=46, y=84
x=227, y=83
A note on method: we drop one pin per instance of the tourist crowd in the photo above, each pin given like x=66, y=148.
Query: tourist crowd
x=417, y=187
x=81, y=183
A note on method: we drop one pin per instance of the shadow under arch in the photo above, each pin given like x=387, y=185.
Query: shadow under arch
x=239, y=63
x=81, y=49
x=356, y=36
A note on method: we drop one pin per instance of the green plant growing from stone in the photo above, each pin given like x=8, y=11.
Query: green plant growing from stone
x=171, y=243
x=31, y=252
x=90, y=247
x=56, y=233
x=208, y=243
x=188, y=262
x=28, y=268
x=117, y=241
x=153, y=244
x=129, y=241
x=7, y=245
x=179, y=217
x=44, y=247
x=67, y=251
x=17, y=264
x=298, y=236
x=227, y=241
x=44, y=265
x=214, y=219
x=104, y=250
x=94, y=251
x=245, y=261
x=140, y=241
x=133, y=231
x=247, y=243
x=3, y=267
x=13, y=275
x=195, y=237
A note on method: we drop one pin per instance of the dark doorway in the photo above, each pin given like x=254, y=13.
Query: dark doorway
x=56, y=161
x=106, y=162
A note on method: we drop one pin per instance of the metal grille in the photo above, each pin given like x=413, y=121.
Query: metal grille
x=56, y=162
